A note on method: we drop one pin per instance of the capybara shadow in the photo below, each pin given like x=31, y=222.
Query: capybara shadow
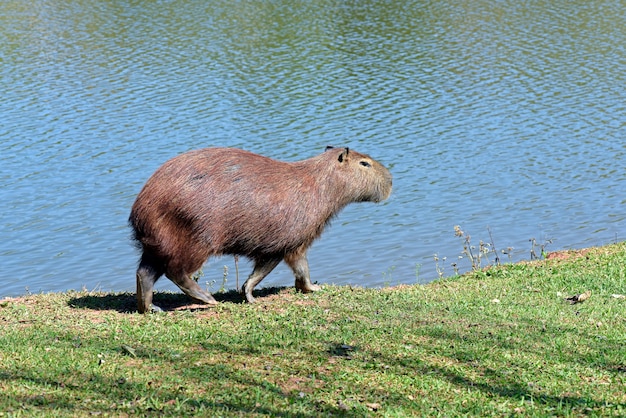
x=167, y=301
x=217, y=201
x=120, y=302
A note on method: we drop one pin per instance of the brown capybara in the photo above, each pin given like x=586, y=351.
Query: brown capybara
x=217, y=201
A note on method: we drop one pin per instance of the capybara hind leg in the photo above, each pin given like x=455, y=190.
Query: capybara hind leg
x=300, y=266
x=192, y=289
x=147, y=275
x=261, y=269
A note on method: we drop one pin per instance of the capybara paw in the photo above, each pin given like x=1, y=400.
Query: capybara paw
x=247, y=293
x=209, y=302
x=249, y=298
x=315, y=288
x=308, y=288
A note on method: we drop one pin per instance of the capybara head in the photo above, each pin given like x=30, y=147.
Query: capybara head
x=368, y=180
x=228, y=201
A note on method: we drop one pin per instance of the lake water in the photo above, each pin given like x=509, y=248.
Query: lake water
x=501, y=116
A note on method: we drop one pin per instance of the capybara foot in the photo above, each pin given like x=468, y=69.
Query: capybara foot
x=203, y=298
x=262, y=268
x=195, y=292
x=308, y=288
x=247, y=294
x=208, y=303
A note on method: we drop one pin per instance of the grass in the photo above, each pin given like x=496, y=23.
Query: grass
x=498, y=342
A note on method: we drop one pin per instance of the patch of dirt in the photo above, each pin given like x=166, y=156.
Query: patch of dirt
x=567, y=254
x=300, y=384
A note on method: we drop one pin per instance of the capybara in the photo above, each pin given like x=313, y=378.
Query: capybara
x=217, y=201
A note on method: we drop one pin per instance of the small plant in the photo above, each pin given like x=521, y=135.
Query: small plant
x=387, y=275
x=542, y=248
x=439, y=268
x=493, y=246
x=198, y=275
x=485, y=254
x=224, y=279
x=209, y=284
x=237, y=272
x=509, y=252
x=476, y=256
x=455, y=266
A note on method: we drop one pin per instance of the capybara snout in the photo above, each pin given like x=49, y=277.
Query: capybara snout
x=216, y=201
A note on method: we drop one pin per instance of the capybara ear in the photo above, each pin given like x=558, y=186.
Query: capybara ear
x=328, y=147
x=344, y=155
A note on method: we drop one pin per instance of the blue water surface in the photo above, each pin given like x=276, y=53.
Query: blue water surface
x=497, y=116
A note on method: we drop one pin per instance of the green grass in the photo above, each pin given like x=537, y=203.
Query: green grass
x=498, y=342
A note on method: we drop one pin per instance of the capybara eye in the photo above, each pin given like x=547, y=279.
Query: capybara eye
x=365, y=164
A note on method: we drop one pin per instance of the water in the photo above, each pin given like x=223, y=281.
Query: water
x=493, y=115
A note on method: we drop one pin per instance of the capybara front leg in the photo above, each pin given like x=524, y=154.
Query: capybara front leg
x=300, y=266
x=261, y=269
x=147, y=275
x=192, y=289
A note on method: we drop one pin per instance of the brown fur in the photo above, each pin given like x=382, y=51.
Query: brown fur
x=217, y=201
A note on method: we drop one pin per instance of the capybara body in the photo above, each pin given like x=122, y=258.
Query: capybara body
x=216, y=201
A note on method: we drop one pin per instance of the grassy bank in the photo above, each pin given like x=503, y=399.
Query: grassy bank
x=498, y=342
